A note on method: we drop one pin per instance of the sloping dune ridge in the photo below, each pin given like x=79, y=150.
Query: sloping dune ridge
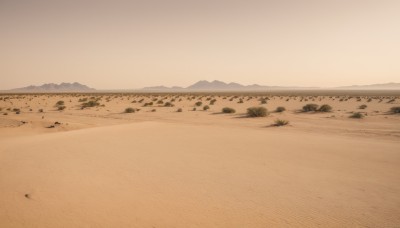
x=154, y=174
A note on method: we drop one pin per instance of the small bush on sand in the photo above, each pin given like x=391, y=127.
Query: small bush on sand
x=199, y=103
x=206, y=107
x=279, y=122
x=228, y=110
x=40, y=110
x=280, y=109
x=362, y=106
x=90, y=104
x=168, y=104
x=129, y=110
x=325, y=108
x=310, y=107
x=60, y=108
x=179, y=110
x=357, y=115
x=395, y=110
x=257, y=112
x=60, y=103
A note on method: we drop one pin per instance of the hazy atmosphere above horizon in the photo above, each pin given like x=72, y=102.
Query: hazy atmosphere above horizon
x=133, y=44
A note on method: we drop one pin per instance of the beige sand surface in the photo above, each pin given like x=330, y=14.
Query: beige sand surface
x=104, y=168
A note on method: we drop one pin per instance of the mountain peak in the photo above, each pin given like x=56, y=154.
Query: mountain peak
x=52, y=87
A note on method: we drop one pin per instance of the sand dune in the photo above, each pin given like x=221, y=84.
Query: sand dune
x=154, y=174
x=101, y=167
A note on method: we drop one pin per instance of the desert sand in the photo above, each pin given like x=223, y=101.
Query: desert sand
x=102, y=167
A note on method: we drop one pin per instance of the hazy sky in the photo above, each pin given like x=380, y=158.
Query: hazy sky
x=130, y=44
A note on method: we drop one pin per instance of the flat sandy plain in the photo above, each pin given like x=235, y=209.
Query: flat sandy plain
x=102, y=167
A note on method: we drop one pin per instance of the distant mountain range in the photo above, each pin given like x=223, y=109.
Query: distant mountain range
x=202, y=85
x=390, y=85
x=216, y=85
x=52, y=87
x=222, y=86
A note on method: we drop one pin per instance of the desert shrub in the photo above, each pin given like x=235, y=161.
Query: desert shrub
x=60, y=103
x=228, y=110
x=325, y=108
x=40, y=110
x=160, y=102
x=168, y=104
x=206, y=107
x=6, y=113
x=153, y=110
x=310, y=107
x=362, y=106
x=90, y=104
x=199, y=103
x=212, y=102
x=357, y=115
x=263, y=101
x=179, y=110
x=280, y=109
x=257, y=112
x=60, y=108
x=280, y=122
x=82, y=99
x=148, y=104
x=395, y=109
x=130, y=110
x=240, y=101
x=194, y=109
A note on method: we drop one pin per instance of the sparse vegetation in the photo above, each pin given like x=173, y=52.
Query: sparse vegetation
x=357, y=115
x=395, y=109
x=206, y=107
x=90, y=104
x=60, y=103
x=60, y=108
x=257, y=112
x=199, y=103
x=130, y=110
x=325, y=108
x=310, y=107
x=280, y=109
x=179, y=110
x=280, y=122
x=362, y=106
x=168, y=104
x=228, y=110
